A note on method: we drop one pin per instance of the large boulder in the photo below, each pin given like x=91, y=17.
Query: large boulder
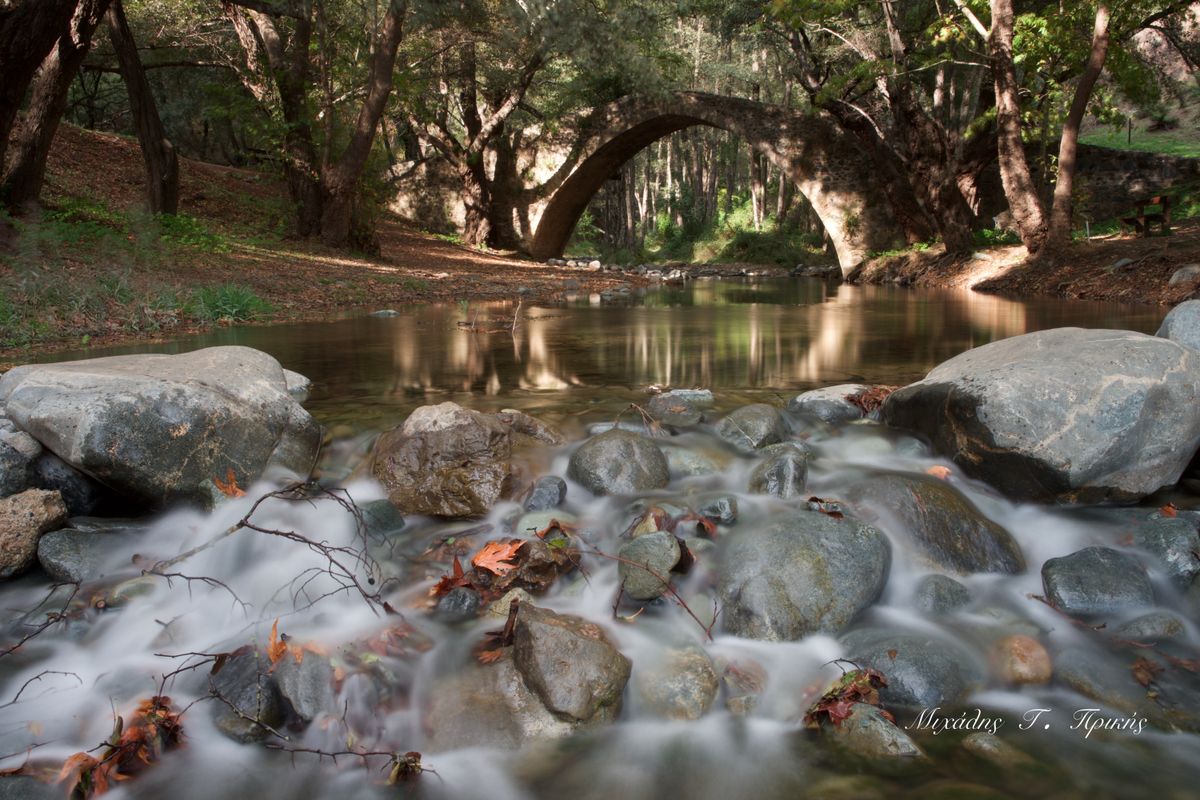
x=940, y=523
x=1064, y=415
x=24, y=518
x=1182, y=325
x=619, y=462
x=922, y=670
x=802, y=573
x=1096, y=581
x=161, y=428
x=446, y=461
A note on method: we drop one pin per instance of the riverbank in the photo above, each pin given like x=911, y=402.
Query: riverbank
x=1113, y=267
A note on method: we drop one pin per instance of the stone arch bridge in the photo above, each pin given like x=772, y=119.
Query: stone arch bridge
x=826, y=165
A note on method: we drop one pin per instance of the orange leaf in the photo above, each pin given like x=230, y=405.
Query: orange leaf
x=939, y=472
x=495, y=557
x=74, y=767
x=490, y=656
x=275, y=647
x=229, y=486
x=1169, y=510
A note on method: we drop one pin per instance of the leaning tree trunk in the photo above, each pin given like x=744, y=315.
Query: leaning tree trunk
x=28, y=31
x=162, y=166
x=1059, y=234
x=30, y=148
x=477, y=201
x=1029, y=217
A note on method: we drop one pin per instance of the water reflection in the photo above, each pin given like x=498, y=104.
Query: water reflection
x=757, y=337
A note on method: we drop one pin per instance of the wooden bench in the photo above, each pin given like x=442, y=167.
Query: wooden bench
x=1141, y=221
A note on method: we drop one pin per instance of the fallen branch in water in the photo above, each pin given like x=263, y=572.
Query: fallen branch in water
x=52, y=617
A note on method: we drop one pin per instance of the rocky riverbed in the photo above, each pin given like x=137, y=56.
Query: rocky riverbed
x=982, y=584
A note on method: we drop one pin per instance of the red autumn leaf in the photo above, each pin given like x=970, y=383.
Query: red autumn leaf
x=871, y=399
x=229, y=486
x=496, y=557
x=489, y=656
x=839, y=710
x=452, y=581
x=1169, y=510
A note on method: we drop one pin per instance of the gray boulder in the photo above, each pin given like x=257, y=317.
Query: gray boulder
x=1096, y=581
x=1175, y=543
x=940, y=523
x=672, y=409
x=1182, y=325
x=619, y=462
x=18, y=453
x=800, y=574
x=829, y=404
x=246, y=695
x=1185, y=274
x=784, y=473
x=550, y=491
x=445, y=461
x=752, y=427
x=307, y=684
x=160, y=428
x=922, y=670
x=1064, y=415
x=83, y=555
x=643, y=561
x=867, y=734
x=570, y=664
x=24, y=518
x=682, y=684
x=81, y=494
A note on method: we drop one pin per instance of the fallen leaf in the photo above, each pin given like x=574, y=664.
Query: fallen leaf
x=939, y=472
x=229, y=486
x=276, y=648
x=1169, y=510
x=496, y=557
x=1145, y=670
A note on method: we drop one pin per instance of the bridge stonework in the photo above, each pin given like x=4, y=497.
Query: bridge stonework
x=827, y=166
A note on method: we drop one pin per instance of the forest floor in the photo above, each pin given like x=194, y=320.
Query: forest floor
x=93, y=270
x=1116, y=267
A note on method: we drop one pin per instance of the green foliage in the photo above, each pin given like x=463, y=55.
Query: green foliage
x=226, y=301
x=991, y=237
x=187, y=231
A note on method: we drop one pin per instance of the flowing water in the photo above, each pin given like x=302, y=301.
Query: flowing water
x=571, y=365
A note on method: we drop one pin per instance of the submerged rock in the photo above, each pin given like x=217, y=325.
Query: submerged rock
x=784, y=473
x=800, y=574
x=1107, y=678
x=445, y=461
x=752, y=427
x=939, y=521
x=76, y=556
x=681, y=685
x=922, y=671
x=1096, y=581
x=940, y=594
x=160, y=428
x=829, y=404
x=1156, y=626
x=619, y=462
x=866, y=733
x=1021, y=659
x=1064, y=415
x=1175, y=543
x=24, y=518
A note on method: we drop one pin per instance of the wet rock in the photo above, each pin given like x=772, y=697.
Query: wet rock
x=307, y=685
x=298, y=386
x=619, y=462
x=18, y=452
x=799, y=574
x=685, y=463
x=657, y=554
x=537, y=521
x=458, y=605
x=532, y=427
x=1182, y=325
x=720, y=508
x=129, y=590
x=939, y=521
x=160, y=427
x=1096, y=581
x=829, y=404
x=500, y=608
x=868, y=734
x=922, y=670
x=671, y=409
x=245, y=683
x=1108, y=679
x=784, y=473
x=76, y=556
x=24, y=518
x=1021, y=659
x=940, y=594
x=995, y=750
x=1175, y=543
x=753, y=426
x=445, y=461
x=382, y=519
x=25, y=787
x=550, y=491
x=682, y=685
x=570, y=664
x=1156, y=626
x=81, y=494
x=700, y=398
x=1064, y=415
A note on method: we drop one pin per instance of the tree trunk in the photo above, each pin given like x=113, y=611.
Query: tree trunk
x=28, y=31
x=31, y=146
x=1028, y=215
x=162, y=166
x=476, y=193
x=1059, y=234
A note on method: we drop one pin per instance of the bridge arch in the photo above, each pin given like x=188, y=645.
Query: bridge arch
x=827, y=166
